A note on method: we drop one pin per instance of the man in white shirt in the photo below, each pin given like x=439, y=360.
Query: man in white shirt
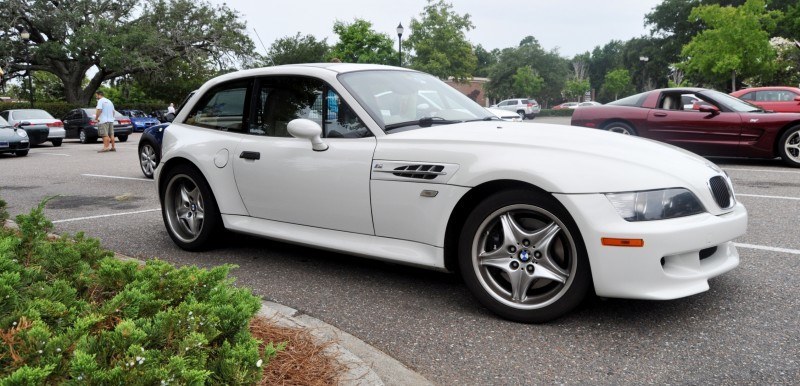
x=104, y=115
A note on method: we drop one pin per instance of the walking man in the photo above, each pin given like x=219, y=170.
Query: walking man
x=104, y=115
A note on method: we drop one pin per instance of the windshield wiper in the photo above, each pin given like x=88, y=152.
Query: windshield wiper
x=423, y=122
x=489, y=118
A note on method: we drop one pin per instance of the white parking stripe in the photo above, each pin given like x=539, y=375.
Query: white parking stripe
x=105, y=215
x=764, y=170
x=771, y=249
x=57, y=154
x=761, y=196
x=121, y=178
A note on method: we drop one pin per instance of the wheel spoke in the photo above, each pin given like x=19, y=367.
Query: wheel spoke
x=520, y=282
x=545, y=272
x=186, y=198
x=497, y=262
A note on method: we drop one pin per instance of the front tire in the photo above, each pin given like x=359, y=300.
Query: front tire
x=148, y=159
x=521, y=114
x=21, y=153
x=620, y=127
x=122, y=138
x=521, y=254
x=84, y=137
x=189, y=209
x=56, y=142
x=789, y=147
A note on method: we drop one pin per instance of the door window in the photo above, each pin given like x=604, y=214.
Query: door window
x=282, y=99
x=222, y=108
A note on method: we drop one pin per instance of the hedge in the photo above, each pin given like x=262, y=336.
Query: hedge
x=72, y=313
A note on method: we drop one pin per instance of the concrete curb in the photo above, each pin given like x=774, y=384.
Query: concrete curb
x=366, y=365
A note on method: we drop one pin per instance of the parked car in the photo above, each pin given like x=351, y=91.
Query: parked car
x=13, y=139
x=566, y=105
x=161, y=115
x=150, y=144
x=717, y=125
x=777, y=98
x=524, y=107
x=150, y=148
x=139, y=119
x=80, y=123
x=505, y=114
x=40, y=125
x=588, y=103
x=525, y=212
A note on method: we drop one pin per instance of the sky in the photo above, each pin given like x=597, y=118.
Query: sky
x=572, y=26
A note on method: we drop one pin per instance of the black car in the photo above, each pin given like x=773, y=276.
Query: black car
x=80, y=123
x=13, y=140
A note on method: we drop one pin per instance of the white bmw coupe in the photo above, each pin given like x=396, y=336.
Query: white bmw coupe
x=393, y=164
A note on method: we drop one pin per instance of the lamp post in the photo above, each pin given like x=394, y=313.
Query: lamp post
x=26, y=36
x=400, y=44
x=644, y=59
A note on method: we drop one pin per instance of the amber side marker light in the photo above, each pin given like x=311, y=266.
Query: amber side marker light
x=607, y=241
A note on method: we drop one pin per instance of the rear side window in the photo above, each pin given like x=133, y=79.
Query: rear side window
x=223, y=107
x=633, y=100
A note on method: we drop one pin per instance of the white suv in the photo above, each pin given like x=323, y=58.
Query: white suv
x=526, y=108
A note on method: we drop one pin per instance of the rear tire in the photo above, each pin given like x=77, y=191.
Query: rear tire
x=522, y=256
x=21, y=153
x=148, y=159
x=84, y=137
x=789, y=147
x=56, y=142
x=620, y=127
x=189, y=209
x=122, y=138
x=521, y=114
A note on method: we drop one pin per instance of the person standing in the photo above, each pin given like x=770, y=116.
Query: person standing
x=104, y=115
x=171, y=109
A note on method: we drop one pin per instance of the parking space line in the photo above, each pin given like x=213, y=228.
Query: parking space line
x=771, y=249
x=105, y=215
x=762, y=196
x=121, y=178
x=763, y=170
x=57, y=154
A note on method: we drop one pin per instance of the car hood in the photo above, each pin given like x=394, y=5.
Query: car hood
x=557, y=158
x=9, y=135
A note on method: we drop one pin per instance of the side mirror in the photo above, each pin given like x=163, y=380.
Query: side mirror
x=308, y=129
x=797, y=99
x=704, y=108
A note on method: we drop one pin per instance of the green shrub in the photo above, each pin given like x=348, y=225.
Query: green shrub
x=556, y=113
x=72, y=313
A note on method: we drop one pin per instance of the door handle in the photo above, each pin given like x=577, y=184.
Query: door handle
x=253, y=155
x=660, y=114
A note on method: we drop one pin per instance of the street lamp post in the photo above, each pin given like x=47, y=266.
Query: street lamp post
x=400, y=44
x=644, y=71
x=26, y=36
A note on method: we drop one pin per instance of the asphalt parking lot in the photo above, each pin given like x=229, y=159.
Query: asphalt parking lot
x=745, y=330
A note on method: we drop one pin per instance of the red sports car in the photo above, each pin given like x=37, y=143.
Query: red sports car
x=778, y=98
x=704, y=121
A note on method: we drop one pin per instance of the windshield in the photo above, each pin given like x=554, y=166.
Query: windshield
x=731, y=102
x=31, y=114
x=394, y=98
x=3, y=122
x=137, y=114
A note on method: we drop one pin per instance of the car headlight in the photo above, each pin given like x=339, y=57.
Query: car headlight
x=22, y=133
x=655, y=204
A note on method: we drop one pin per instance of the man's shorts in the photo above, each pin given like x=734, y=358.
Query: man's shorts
x=105, y=129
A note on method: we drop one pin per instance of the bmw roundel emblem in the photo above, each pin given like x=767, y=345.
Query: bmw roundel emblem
x=524, y=256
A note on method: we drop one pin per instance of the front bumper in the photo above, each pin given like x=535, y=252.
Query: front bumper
x=677, y=259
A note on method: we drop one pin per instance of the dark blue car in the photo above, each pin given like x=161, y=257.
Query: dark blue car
x=140, y=120
x=150, y=148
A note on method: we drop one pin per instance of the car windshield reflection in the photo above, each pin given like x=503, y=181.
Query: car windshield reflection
x=410, y=100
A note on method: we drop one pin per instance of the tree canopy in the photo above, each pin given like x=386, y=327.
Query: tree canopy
x=297, y=49
x=736, y=41
x=439, y=42
x=119, y=38
x=359, y=43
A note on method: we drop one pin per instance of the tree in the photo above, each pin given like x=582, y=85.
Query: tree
x=552, y=68
x=359, y=43
x=735, y=43
x=576, y=88
x=297, y=49
x=439, y=42
x=604, y=59
x=527, y=82
x=617, y=82
x=485, y=60
x=119, y=38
